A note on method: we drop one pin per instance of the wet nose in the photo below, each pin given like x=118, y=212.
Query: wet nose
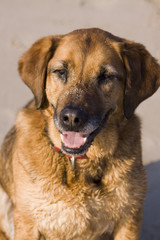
x=72, y=118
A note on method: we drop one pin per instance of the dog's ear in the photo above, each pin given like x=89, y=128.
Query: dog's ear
x=142, y=75
x=33, y=66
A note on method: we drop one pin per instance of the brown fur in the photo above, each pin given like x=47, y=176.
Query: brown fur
x=102, y=197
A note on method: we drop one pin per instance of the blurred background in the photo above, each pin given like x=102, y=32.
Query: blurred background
x=24, y=21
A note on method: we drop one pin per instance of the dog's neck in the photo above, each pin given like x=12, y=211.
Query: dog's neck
x=72, y=158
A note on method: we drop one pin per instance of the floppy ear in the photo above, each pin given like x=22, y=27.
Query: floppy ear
x=33, y=66
x=142, y=75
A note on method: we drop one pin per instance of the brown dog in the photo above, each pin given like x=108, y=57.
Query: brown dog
x=71, y=166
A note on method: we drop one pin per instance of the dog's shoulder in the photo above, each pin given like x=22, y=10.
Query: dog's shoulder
x=29, y=122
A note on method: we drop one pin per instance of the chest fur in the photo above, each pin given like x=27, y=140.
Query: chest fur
x=73, y=215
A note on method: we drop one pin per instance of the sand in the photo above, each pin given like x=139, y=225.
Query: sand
x=24, y=21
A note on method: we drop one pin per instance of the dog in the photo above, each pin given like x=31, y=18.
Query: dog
x=71, y=166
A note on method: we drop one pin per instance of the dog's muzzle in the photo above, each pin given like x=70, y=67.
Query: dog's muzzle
x=78, y=129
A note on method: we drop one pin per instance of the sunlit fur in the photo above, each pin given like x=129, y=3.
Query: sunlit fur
x=41, y=196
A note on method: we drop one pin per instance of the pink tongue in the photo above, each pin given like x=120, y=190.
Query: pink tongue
x=73, y=139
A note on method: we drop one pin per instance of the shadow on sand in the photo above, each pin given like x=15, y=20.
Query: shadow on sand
x=151, y=218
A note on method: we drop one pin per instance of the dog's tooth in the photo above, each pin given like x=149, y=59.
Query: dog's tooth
x=61, y=135
x=85, y=139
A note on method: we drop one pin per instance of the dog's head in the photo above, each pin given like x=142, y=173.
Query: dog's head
x=83, y=79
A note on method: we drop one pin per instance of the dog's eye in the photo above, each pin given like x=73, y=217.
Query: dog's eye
x=61, y=73
x=104, y=78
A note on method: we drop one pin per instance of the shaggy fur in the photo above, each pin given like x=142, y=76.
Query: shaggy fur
x=100, y=196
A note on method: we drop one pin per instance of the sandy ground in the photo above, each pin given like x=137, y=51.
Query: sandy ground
x=24, y=21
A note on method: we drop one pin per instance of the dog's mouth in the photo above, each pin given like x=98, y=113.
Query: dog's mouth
x=77, y=143
x=74, y=140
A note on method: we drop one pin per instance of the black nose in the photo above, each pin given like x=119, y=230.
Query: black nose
x=72, y=118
